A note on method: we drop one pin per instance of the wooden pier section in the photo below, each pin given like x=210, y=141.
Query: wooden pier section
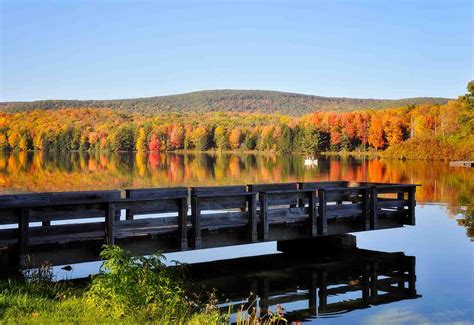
x=71, y=227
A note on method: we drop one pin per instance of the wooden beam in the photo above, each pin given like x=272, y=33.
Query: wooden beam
x=23, y=225
x=373, y=208
x=264, y=229
x=196, y=221
x=322, y=211
x=365, y=217
x=253, y=217
x=183, y=223
x=110, y=224
x=411, y=206
x=313, y=217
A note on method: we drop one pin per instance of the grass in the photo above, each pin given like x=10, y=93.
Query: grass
x=127, y=290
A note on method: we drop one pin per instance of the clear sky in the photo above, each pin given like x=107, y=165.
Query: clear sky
x=119, y=49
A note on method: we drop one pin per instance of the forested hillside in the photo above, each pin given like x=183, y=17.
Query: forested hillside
x=249, y=101
x=427, y=131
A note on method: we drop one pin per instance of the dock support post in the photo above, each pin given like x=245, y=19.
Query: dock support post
x=313, y=292
x=373, y=208
x=196, y=221
x=373, y=282
x=183, y=223
x=23, y=225
x=365, y=218
x=323, y=296
x=263, y=225
x=263, y=292
x=312, y=213
x=110, y=224
x=411, y=205
x=322, y=209
x=253, y=217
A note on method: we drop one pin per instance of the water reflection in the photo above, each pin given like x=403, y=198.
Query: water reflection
x=310, y=286
x=63, y=171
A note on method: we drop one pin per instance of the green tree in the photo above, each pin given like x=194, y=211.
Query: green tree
x=468, y=98
x=220, y=138
x=201, y=138
x=285, y=143
x=310, y=139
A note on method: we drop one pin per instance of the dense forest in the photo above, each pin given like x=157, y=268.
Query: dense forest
x=427, y=131
x=249, y=101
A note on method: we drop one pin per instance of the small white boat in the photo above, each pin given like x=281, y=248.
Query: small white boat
x=310, y=161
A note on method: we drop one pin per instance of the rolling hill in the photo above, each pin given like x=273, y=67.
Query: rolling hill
x=226, y=100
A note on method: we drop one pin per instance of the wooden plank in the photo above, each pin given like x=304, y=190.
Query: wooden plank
x=23, y=225
x=156, y=193
x=83, y=196
x=227, y=202
x=67, y=212
x=272, y=187
x=411, y=206
x=252, y=210
x=373, y=208
x=8, y=216
x=345, y=212
x=318, y=185
x=57, y=198
x=61, y=234
x=282, y=197
x=149, y=207
x=196, y=222
x=18, y=200
x=183, y=223
x=383, y=203
x=109, y=224
x=217, y=190
x=281, y=215
x=312, y=214
x=365, y=217
x=322, y=213
x=148, y=222
x=264, y=229
x=222, y=220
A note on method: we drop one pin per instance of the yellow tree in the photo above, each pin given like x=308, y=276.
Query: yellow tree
x=141, y=140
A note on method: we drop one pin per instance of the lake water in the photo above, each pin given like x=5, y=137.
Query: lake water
x=441, y=242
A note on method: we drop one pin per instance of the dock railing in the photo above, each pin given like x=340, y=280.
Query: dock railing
x=236, y=214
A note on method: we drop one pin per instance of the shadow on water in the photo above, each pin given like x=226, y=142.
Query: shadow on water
x=308, y=287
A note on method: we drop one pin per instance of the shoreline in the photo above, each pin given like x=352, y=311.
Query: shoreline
x=358, y=154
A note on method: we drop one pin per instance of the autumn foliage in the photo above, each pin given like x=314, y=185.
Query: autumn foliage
x=429, y=131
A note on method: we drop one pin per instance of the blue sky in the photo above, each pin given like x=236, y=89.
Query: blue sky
x=119, y=49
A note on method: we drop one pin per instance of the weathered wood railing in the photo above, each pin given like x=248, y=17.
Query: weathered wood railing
x=219, y=216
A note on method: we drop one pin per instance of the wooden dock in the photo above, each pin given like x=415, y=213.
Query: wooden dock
x=71, y=227
x=319, y=284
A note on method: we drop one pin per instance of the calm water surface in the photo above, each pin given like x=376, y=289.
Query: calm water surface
x=441, y=242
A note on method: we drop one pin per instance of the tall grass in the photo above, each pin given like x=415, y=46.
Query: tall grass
x=127, y=290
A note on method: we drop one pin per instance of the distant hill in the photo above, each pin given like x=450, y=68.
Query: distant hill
x=226, y=100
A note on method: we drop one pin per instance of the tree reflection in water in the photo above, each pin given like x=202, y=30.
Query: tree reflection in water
x=67, y=171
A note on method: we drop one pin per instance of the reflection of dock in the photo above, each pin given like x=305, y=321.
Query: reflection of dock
x=310, y=286
x=71, y=227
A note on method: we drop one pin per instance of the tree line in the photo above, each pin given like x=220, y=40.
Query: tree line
x=439, y=128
